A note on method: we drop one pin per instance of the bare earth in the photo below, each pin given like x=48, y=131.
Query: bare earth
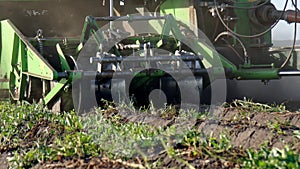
x=246, y=130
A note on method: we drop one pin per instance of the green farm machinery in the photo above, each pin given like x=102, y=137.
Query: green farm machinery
x=78, y=53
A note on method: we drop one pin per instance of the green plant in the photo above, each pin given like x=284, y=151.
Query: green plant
x=33, y=134
x=297, y=134
x=249, y=105
x=276, y=127
x=272, y=158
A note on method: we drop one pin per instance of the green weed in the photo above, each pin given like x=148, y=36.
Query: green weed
x=33, y=134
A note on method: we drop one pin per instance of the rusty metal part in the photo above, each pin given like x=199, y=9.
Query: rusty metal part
x=291, y=16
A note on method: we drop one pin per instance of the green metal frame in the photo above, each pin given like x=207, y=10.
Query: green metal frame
x=179, y=10
x=245, y=27
x=20, y=60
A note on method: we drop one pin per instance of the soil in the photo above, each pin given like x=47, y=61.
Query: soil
x=255, y=129
x=246, y=130
x=3, y=161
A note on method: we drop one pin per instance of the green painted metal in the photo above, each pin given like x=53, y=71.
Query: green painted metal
x=21, y=55
x=256, y=74
x=90, y=28
x=178, y=8
x=55, y=91
x=243, y=23
x=64, y=64
x=18, y=60
x=244, y=26
x=210, y=57
x=52, y=41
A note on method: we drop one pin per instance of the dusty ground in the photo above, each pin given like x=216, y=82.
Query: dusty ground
x=3, y=161
x=246, y=130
